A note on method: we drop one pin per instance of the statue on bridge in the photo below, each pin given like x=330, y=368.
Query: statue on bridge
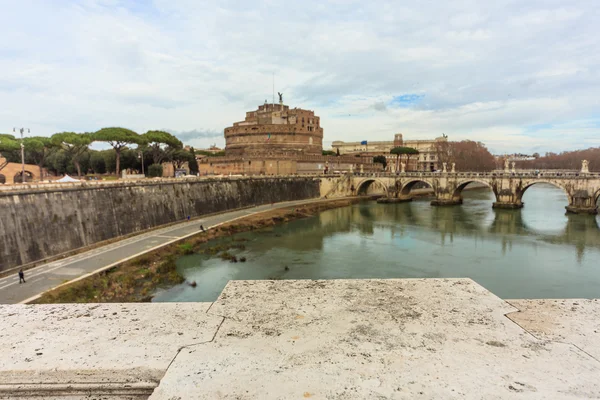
x=444, y=169
x=453, y=168
x=402, y=168
x=506, y=166
x=513, y=168
x=362, y=171
x=585, y=169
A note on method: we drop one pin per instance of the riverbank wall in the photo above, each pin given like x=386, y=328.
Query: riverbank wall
x=136, y=280
x=45, y=221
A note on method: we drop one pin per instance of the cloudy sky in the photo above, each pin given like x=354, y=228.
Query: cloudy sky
x=517, y=75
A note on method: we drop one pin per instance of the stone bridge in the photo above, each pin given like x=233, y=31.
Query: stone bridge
x=582, y=189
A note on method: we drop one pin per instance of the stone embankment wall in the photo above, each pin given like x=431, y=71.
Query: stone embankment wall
x=48, y=221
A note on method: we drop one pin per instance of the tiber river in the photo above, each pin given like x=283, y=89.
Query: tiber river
x=535, y=252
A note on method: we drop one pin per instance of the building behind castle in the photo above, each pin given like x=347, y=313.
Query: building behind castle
x=426, y=160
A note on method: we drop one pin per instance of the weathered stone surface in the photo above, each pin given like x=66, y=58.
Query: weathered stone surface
x=100, y=348
x=40, y=223
x=575, y=321
x=387, y=339
x=337, y=339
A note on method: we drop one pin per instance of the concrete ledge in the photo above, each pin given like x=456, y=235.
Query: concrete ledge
x=73, y=391
x=326, y=339
x=363, y=339
x=111, y=350
x=575, y=321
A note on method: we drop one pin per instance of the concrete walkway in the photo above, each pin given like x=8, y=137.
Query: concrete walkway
x=326, y=339
x=52, y=274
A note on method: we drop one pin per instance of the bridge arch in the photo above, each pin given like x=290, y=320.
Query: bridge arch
x=464, y=183
x=549, y=182
x=363, y=186
x=407, y=187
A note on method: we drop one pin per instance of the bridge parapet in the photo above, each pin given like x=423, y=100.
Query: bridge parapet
x=559, y=175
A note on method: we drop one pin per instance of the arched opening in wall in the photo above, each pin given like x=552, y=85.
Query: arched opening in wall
x=19, y=179
x=371, y=187
x=2, y=179
x=544, y=209
x=416, y=187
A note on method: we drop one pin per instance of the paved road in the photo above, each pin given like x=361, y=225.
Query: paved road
x=47, y=276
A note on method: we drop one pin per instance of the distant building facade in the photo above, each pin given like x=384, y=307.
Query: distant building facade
x=11, y=172
x=426, y=160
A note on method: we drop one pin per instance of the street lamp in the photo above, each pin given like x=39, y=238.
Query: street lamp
x=141, y=157
x=22, y=131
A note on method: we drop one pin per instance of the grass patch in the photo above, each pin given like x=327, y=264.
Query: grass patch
x=186, y=248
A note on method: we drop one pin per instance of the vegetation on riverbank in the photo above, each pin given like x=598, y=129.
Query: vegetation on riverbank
x=137, y=279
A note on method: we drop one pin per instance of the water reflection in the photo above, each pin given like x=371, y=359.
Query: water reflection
x=534, y=252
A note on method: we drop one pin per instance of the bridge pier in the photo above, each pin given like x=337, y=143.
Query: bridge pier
x=582, y=203
x=508, y=205
x=508, y=192
x=389, y=200
x=446, y=202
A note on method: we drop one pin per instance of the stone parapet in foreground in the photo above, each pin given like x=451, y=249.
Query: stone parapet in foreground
x=351, y=339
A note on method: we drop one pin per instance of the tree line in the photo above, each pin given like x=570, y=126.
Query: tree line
x=69, y=152
x=467, y=155
x=565, y=160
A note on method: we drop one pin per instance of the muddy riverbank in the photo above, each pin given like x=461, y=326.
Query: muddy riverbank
x=136, y=280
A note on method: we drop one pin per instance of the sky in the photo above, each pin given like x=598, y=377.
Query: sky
x=520, y=76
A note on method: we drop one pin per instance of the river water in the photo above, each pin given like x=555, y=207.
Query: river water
x=535, y=252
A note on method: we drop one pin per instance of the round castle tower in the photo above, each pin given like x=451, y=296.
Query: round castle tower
x=275, y=129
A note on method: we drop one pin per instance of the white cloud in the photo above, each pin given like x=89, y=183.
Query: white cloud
x=486, y=71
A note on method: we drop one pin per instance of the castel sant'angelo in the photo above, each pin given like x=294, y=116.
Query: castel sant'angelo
x=277, y=140
x=274, y=128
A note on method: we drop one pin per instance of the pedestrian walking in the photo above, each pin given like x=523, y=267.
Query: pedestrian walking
x=202, y=228
x=188, y=218
x=21, y=276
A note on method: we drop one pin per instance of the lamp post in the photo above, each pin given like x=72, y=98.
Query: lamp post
x=141, y=157
x=22, y=131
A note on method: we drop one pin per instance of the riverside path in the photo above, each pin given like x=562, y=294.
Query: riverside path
x=49, y=275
